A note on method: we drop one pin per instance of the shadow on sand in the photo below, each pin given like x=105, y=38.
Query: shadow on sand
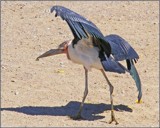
x=90, y=111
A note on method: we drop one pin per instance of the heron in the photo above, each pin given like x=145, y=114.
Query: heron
x=92, y=49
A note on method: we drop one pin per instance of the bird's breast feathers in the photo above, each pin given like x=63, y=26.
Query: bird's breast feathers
x=85, y=53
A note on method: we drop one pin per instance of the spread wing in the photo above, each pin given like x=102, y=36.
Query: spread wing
x=81, y=27
x=121, y=50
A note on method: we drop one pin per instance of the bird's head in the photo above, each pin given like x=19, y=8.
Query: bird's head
x=62, y=49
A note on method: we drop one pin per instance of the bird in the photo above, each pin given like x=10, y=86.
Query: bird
x=92, y=49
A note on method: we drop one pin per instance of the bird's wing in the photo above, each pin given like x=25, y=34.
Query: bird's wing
x=81, y=27
x=133, y=72
x=121, y=49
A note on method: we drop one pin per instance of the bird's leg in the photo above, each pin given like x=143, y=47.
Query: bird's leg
x=111, y=91
x=78, y=116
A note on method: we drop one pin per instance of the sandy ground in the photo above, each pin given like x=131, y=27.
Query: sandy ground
x=44, y=93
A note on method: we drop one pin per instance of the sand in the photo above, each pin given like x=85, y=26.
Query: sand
x=46, y=92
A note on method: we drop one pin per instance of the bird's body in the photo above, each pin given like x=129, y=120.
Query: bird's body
x=85, y=54
x=93, y=50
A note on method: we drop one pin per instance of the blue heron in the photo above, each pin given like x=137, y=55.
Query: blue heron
x=94, y=50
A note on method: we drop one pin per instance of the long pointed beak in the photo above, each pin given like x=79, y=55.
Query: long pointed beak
x=50, y=53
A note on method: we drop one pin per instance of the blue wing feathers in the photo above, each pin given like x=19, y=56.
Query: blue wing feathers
x=121, y=50
x=67, y=14
x=81, y=27
x=72, y=27
x=109, y=64
x=113, y=66
x=135, y=76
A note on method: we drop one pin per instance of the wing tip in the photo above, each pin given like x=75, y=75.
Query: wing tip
x=135, y=76
x=139, y=96
x=52, y=9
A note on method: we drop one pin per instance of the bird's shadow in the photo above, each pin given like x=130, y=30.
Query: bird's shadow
x=90, y=111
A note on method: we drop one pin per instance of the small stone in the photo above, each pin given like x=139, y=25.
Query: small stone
x=119, y=19
x=60, y=71
x=3, y=67
x=61, y=64
x=60, y=33
x=122, y=91
x=12, y=80
x=16, y=93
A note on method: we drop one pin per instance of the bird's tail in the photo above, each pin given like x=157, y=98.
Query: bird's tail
x=135, y=76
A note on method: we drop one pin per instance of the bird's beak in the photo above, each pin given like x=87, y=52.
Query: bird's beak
x=50, y=53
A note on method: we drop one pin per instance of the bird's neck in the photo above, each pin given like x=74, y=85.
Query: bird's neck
x=66, y=49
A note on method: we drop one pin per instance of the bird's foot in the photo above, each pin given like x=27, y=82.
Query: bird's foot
x=113, y=119
x=77, y=117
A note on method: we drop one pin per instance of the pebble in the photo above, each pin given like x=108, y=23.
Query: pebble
x=61, y=64
x=60, y=71
x=60, y=33
x=122, y=91
x=119, y=19
x=12, y=80
x=16, y=93
x=3, y=67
